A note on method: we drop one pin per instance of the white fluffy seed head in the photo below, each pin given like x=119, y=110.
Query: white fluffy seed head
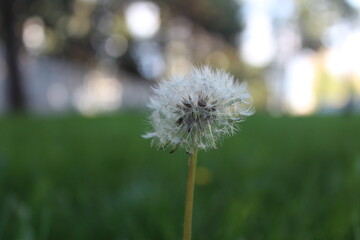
x=196, y=110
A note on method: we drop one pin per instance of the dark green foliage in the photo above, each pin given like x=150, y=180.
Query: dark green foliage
x=79, y=178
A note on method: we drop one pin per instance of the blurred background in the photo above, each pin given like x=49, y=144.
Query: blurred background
x=75, y=76
x=93, y=56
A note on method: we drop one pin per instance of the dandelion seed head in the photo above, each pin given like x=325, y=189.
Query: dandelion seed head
x=198, y=109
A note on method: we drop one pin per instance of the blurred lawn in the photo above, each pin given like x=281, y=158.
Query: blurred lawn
x=96, y=178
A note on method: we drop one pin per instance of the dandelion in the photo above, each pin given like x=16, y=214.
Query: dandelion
x=196, y=111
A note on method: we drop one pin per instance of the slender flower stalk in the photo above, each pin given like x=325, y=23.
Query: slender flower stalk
x=194, y=112
x=189, y=196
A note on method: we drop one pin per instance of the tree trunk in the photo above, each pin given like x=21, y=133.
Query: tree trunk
x=15, y=94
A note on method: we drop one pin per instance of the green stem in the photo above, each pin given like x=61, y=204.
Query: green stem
x=189, y=196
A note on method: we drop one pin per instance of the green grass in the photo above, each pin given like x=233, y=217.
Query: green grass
x=96, y=178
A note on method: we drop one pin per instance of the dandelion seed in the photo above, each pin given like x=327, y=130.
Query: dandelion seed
x=196, y=110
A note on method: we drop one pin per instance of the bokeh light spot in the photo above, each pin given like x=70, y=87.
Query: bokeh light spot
x=34, y=34
x=142, y=19
x=203, y=176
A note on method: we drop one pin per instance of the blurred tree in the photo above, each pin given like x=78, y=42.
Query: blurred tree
x=217, y=16
x=15, y=91
x=13, y=14
x=313, y=24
